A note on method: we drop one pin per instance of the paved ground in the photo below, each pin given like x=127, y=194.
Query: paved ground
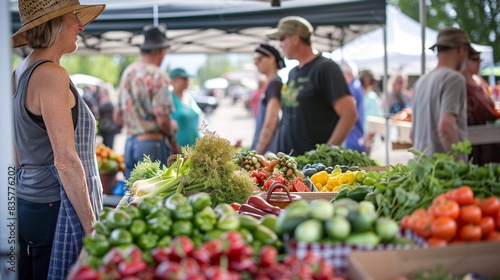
x=235, y=123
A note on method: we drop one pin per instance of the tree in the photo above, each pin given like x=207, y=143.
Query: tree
x=480, y=18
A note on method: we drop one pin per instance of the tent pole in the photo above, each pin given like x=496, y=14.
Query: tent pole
x=386, y=96
x=423, y=24
x=9, y=250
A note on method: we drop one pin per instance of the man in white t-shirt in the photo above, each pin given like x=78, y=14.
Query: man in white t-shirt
x=439, y=108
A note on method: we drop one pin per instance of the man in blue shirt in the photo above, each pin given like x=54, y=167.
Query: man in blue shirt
x=355, y=139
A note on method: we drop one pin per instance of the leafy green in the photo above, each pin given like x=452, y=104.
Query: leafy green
x=334, y=155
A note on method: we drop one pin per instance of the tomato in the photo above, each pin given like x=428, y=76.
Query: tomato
x=422, y=226
x=493, y=236
x=405, y=222
x=490, y=206
x=439, y=198
x=470, y=214
x=443, y=227
x=447, y=208
x=436, y=242
x=487, y=225
x=470, y=232
x=463, y=195
x=497, y=220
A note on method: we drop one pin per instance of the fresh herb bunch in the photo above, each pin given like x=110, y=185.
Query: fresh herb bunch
x=334, y=155
x=204, y=167
x=144, y=169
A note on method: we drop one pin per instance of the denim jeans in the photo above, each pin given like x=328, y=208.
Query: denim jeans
x=135, y=150
x=37, y=224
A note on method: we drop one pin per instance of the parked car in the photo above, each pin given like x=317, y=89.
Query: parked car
x=205, y=100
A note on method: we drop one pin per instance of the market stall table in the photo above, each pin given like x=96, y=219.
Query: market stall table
x=477, y=134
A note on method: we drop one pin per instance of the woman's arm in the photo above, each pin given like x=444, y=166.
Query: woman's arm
x=269, y=126
x=55, y=101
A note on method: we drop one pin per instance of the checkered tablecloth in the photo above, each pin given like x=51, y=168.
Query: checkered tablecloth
x=337, y=253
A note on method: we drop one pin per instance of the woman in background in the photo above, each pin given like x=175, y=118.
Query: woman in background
x=186, y=113
x=398, y=97
x=268, y=61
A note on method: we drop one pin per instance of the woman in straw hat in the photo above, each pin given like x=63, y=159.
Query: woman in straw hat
x=58, y=187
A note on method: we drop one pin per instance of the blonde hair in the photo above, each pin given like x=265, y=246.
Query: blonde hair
x=45, y=34
x=392, y=80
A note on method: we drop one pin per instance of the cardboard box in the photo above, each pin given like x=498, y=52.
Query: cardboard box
x=482, y=258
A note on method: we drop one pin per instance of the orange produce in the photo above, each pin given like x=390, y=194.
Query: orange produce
x=456, y=217
x=444, y=227
x=108, y=161
x=470, y=232
x=470, y=214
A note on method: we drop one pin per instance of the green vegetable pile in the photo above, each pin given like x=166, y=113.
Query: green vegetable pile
x=402, y=189
x=334, y=155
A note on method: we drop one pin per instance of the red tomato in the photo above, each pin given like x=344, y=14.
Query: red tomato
x=490, y=206
x=493, y=236
x=470, y=214
x=436, y=242
x=439, y=198
x=463, y=195
x=497, y=220
x=443, y=227
x=405, y=222
x=423, y=226
x=487, y=225
x=470, y=232
x=447, y=208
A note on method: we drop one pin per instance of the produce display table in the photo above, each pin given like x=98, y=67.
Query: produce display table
x=477, y=134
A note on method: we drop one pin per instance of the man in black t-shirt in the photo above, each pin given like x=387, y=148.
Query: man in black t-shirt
x=316, y=102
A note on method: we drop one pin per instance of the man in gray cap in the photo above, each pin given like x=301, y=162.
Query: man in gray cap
x=439, y=107
x=316, y=102
x=145, y=103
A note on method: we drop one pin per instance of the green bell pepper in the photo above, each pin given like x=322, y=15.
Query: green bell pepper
x=164, y=241
x=292, y=216
x=223, y=209
x=182, y=227
x=228, y=222
x=175, y=200
x=118, y=218
x=138, y=228
x=206, y=219
x=157, y=212
x=147, y=241
x=269, y=221
x=199, y=201
x=213, y=234
x=248, y=222
x=104, y=212
x=96, y=244
x=149, y=205
x=160, y=225
x=101, y=228
x=133, y=211
x=183, y=212
x=120, y=236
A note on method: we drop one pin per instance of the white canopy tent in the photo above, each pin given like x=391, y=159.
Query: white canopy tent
x=404, y=49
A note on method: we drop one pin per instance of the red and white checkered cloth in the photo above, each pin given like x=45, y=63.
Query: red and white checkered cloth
x=337, y=253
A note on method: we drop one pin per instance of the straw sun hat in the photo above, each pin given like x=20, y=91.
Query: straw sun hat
x=36, y=12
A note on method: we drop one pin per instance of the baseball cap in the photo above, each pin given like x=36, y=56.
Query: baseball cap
x=179, y=72
x=292, y=25
x=452, y=37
